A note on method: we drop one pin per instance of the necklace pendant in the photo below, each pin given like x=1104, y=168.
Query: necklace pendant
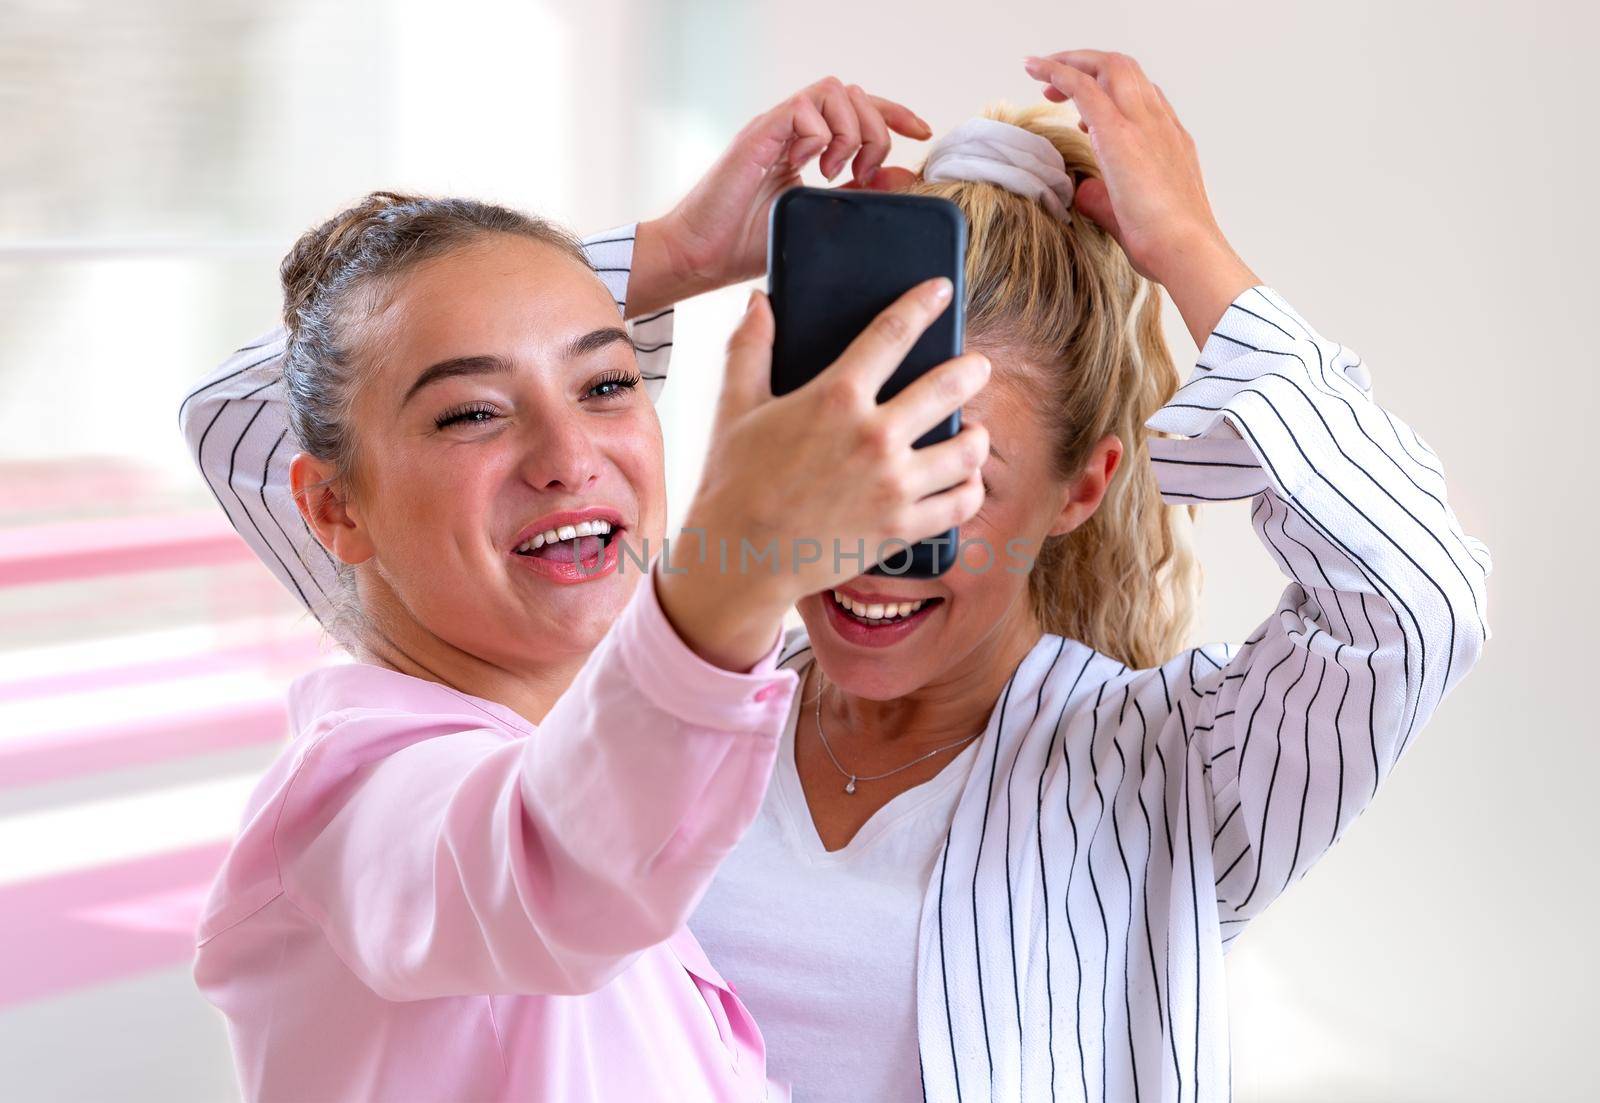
x=850, y=786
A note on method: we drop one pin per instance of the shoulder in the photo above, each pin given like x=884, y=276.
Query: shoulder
x=349, y=717
x=1083, y=683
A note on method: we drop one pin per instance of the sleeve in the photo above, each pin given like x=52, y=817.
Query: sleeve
x=1384, y=613
x=470, y=863
x=236, y=424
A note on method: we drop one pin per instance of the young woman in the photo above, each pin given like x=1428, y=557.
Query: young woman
x=467, y=875
x=1014, y=824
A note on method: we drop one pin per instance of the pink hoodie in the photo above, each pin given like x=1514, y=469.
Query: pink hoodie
x=429, y=899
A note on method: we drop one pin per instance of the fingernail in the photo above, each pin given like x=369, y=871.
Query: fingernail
x=751, y=304
x=941, y=289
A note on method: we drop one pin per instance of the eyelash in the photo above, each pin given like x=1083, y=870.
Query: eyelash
x=459, y=415
x=627, y=381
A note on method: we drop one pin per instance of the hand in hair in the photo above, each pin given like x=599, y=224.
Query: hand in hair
x=1152, y=199
x=717, y=235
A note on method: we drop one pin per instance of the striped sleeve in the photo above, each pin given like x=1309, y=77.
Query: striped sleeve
x=236, y=423
x=1385, y=609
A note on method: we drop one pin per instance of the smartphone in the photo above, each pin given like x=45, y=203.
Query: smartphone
x=835, y=259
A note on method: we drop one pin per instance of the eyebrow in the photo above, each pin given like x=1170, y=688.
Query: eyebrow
x=599, y=339
x=460, y=365
x=491, y=365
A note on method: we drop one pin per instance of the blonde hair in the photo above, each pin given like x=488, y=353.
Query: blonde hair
x=1063, y=298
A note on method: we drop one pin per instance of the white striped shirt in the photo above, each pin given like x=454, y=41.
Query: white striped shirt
x=236, y=423
x=1120, y=827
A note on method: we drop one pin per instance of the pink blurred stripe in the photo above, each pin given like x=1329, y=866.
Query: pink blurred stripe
x=52, y=756
x=293, y=652
x=99, y=925
x=71, y=550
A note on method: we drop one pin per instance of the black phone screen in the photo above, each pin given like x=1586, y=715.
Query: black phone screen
x=835, y=260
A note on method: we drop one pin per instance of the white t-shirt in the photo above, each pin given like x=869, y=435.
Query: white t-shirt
x=822, y=946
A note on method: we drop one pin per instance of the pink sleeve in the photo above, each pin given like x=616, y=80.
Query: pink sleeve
x=467, y=862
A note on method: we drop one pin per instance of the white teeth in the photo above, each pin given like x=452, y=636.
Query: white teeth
x=565, y=532
x=887, y=611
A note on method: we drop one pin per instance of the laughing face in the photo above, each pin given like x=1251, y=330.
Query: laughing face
x=882, y=637
x=504, y=446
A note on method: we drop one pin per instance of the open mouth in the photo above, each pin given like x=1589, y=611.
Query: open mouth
x=576, y=544
x=881, y=614
x=573, y=549
x=879, y=623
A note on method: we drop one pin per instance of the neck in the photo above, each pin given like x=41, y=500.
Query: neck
x=399, y=643
x=954, y=704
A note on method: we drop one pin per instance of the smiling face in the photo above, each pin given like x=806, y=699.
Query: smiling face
x=503, y=443
x=979, y=611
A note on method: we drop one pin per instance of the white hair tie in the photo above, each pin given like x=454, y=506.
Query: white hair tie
x=1018, y=160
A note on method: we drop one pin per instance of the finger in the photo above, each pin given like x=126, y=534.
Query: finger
x=747, y=383
x=938, y=467
x=948, y=509
x=935, y=395
x=1093, y=104
x=874, y=135
x=901, y=119
x=869, y=361
x=888, y=178
x=1121, y=76
x=1093, y=198
x=1090, y=61
x=809, y=130
x=894, y=178
x=841, y=119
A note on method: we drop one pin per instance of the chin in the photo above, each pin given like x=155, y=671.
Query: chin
x=878, y=673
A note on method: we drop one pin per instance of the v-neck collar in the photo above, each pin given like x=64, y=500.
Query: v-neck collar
x=795, y=812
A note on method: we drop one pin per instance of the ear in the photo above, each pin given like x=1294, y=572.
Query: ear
x=323, y=501
x=1085, y=493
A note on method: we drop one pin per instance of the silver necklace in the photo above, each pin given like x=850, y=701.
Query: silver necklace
x=851, y=779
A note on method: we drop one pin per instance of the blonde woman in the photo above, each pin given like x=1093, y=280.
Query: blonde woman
x=1015, y=823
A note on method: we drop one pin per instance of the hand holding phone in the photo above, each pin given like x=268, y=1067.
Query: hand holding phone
x=778, y=500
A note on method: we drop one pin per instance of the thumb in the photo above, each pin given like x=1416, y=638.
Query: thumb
x=1094, y=200
x=747, y=382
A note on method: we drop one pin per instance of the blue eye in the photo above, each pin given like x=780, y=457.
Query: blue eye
x=476, y=413
x=612, y=384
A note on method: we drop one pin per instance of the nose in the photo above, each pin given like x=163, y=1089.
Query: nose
x=559, y=453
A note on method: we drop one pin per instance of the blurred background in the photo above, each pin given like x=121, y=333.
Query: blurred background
x=1414, y=177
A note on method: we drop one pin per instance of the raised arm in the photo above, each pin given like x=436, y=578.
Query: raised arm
x=1384, y=613
x=470, y=862
x=1385, y=609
